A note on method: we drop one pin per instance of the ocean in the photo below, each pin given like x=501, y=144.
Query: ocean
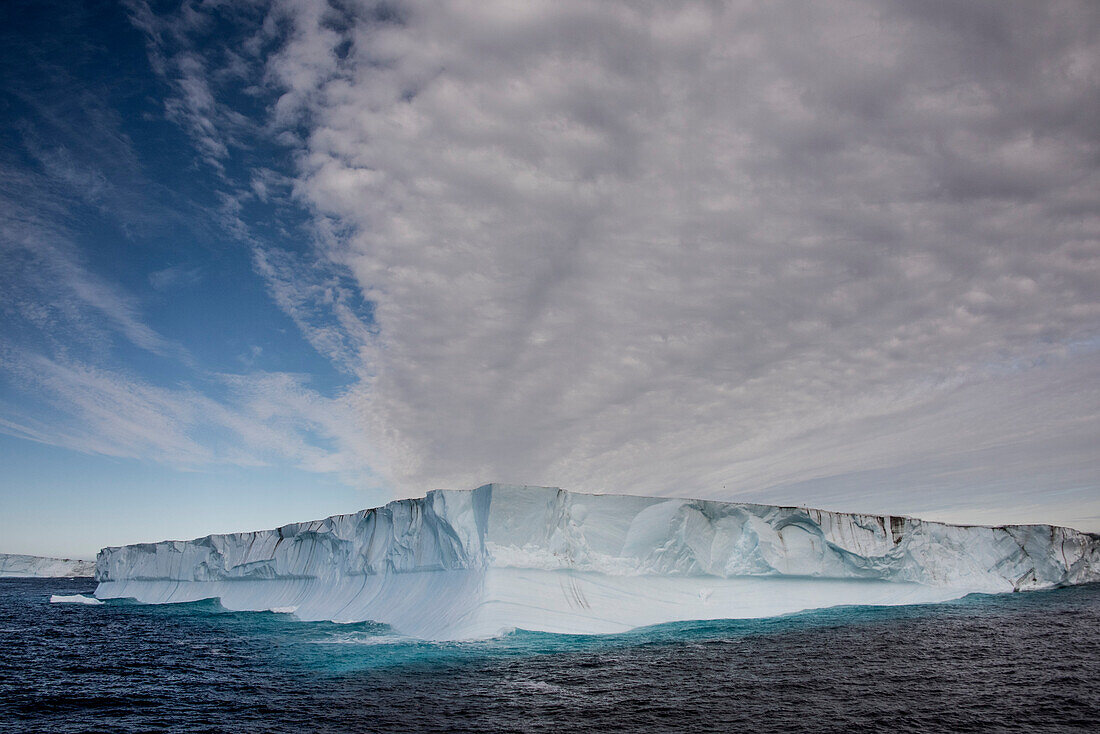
x=1013, y=662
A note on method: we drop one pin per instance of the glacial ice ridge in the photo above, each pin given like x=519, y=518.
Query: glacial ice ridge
x=20, y=566
x=470, y=564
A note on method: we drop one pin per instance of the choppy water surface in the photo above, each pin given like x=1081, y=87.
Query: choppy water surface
x=1019, y=662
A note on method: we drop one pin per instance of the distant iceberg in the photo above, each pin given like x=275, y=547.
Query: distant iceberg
x=470, y=564
x=17, y=566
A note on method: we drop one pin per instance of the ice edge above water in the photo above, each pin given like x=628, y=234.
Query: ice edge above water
x=73, y=599
x=471, y=564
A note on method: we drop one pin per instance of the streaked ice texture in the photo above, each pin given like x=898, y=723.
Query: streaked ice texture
x=469, y=564
x=18, y=566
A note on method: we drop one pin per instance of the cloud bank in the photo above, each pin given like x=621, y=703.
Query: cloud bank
x=706, y=248
x=844, y=254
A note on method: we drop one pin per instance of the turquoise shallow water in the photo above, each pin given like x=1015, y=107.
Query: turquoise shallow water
x=1018, y=662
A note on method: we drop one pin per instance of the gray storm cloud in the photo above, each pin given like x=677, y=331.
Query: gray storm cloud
x=826, y=253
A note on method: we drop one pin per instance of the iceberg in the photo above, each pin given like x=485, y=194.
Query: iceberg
x=18, y=566
x=473, y=564
x=73, y=599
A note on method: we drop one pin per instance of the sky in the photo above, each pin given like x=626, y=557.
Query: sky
x=263, y=262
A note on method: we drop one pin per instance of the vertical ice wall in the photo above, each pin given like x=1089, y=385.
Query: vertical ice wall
x=469, y=563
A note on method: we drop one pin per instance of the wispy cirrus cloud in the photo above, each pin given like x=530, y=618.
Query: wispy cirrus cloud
x=59, y=351
x=81, y=365
x=326, y=307
x=174, y=276
x=257, y=419
x=45, y=282
x=212, y=125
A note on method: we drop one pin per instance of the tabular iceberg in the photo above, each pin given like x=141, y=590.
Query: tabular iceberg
x=468, y=564
x=17, y=566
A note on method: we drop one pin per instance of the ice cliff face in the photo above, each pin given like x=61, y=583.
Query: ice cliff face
x=473, y=563
x=31, y=566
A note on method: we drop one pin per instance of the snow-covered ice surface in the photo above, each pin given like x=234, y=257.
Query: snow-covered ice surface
x=18, y=566
x=469, y=564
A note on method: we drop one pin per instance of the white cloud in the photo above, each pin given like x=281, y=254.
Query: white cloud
x=263, y=419
x=654, y=247
x=321, y=304
x=65, y=326
x=174, y=276
x=840, y=255
x=45, y=282
x=213, y=126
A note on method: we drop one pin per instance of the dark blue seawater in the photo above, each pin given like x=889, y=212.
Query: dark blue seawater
x=1015, y=662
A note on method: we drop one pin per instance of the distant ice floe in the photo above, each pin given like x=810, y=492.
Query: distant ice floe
x=74, y=599
x=473, y=564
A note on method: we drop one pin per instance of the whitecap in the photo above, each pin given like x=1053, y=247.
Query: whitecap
x=366, y=638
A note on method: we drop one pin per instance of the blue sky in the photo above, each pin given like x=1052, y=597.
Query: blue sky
x=267, y=261
x=123, y=271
